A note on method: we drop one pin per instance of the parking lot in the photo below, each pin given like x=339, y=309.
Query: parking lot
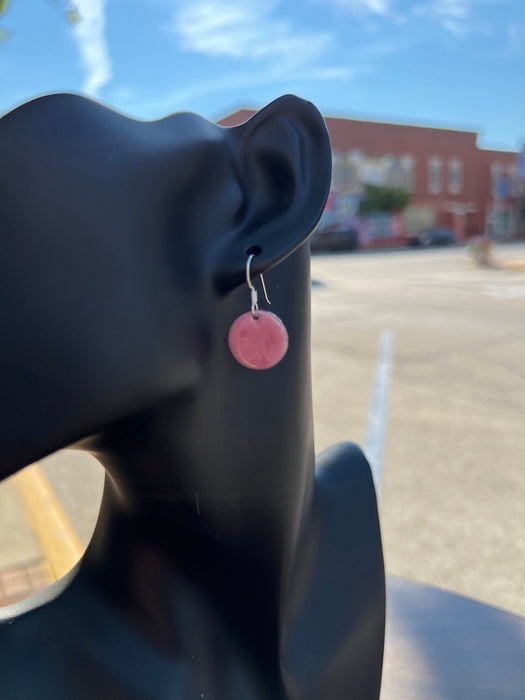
x=453, y=473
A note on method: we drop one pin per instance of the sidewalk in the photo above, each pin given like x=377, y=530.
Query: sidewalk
x=37, y=542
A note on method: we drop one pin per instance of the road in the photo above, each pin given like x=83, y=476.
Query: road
x=454, y=462
x=448, y=397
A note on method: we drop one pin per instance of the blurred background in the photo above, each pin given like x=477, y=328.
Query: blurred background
x=418, y=294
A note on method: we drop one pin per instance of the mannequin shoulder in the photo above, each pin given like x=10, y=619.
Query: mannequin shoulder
x=343, y=468
x=334, y=635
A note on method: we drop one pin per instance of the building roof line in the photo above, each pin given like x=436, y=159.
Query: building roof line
x=470, y=132
x=236, y=111
x=366, y=121
x=412, y=126
x=498, y=150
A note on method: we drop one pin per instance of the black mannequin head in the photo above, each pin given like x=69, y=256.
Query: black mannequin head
x=122, y=242
x=220, y=563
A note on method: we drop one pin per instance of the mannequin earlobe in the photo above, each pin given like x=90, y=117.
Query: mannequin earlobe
x=284, y=165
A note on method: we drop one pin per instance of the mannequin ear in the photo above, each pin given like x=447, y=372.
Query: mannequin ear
x=283, y=161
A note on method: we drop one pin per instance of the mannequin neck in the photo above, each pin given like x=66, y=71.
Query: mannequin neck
x=209, y=487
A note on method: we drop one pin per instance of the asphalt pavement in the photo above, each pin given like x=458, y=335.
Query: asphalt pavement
x=453, y=474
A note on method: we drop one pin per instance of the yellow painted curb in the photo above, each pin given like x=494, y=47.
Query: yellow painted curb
x=59, y=542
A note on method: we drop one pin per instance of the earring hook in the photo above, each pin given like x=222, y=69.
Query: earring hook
x=253, y=291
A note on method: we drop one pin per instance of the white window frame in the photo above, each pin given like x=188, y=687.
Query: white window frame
x=407, y=163
x=337, y=169
x=454, y=176
x=496, y=173
x=434, y=175
x=353, y=162
x=512, y=174
x=389, y=162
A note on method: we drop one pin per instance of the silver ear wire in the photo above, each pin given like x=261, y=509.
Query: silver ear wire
x=253, y=292
x=264, y=291
x=257, y=339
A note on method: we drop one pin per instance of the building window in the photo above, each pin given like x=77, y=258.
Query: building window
x=434, y=175
x=512, y=174
x=496, y=172
x=337, y=170
x=455, y=176
x=389, y=163
x=395, y=174
x=352, y=170
x=407, y=164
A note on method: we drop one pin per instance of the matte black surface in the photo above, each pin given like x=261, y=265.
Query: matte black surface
x=441, y=646
x=220, y=566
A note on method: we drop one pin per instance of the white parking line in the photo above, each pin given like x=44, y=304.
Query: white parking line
x=505, y=291
x=377, y=421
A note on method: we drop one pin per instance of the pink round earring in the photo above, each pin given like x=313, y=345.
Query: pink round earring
x=257, y=339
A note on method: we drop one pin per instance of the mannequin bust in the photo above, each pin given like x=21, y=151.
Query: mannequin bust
x=222, y=566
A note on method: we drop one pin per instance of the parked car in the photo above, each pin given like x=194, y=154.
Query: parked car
x=433, y=236
x=328, y=239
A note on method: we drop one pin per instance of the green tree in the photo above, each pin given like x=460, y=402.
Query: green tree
x=68, y=7
x=384, y=199
x=3, y=9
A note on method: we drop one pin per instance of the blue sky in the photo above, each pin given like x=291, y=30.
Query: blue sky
x=453, y=63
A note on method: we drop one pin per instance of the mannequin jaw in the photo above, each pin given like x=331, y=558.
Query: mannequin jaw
x=129, y=267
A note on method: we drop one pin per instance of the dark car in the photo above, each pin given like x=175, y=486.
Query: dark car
x=434, y=236
x=329, y=239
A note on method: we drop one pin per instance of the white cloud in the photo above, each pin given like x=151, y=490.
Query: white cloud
x=262, y=51
x=357, y=7
x=90, y=36
x=240, y=29
x=452, y=14
x=458, y=17
x=268, y=50
x=178, y=99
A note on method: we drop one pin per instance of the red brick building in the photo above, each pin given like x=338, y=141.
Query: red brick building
x=453, y=183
